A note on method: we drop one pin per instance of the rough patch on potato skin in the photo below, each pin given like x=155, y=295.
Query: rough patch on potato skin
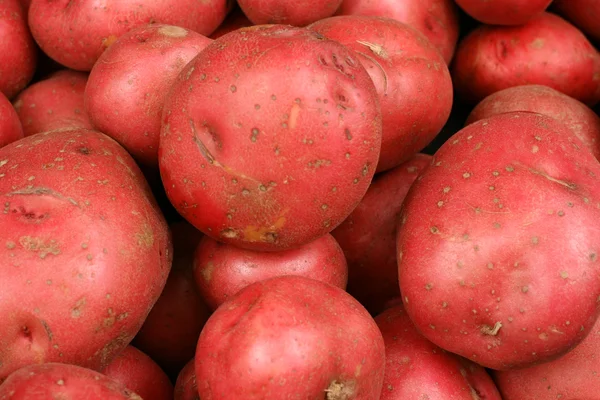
x=341, y=390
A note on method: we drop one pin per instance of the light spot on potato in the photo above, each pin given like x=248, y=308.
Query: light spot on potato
x=79, y=306
x=173, y=31
x=564, y=274
x=535, y=149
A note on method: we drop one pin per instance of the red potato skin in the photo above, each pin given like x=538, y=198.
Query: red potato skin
x=573, y=376
x=546, y=51
x=264, y=159
x=503, y=12
x=296, y=13
x=75, y=34
x=418, y=369
x=140, y=374
x=368, y=236
x=171, y=330
x=235, y=20
x=18, y=54
x=53, y=103
x=62, y=381
x=134, y=76
x=290, y=337
x=436, y=19
x=584, y=14
x=411, y=77
x=578, y=117
x=186, y=387
x=497, y=257
x=222, y=270
x=87, y=251
x=11, y=129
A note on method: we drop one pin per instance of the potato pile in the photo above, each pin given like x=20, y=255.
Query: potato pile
x=318, y=199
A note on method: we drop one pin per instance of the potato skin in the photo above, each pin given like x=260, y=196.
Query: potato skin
x=53, y=103
x=76, y=33
x=62, y=381
x=221, y=270
x=503, y=12
x=418, y=369
x=582, y=121
x=18, y=54
x=270, y=137
x=584, y=14
x=87, y=251
x=11, y=129
x=296, y=13
x=290, y=337
x=134, y=77
x=186, y=387
x=140, y=374
x=411, y=77
x=436, y=19
x=497, y=254
x=368, y=236
x=546, y=51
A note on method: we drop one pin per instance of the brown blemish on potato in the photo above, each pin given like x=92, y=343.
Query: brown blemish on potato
x=341, y=390
x=173, y=31
x=36, y=244
x=264, y=234
x=79, y=306
x=207, y=271
x=108, y=351
x=491, y=331
x=145, y=237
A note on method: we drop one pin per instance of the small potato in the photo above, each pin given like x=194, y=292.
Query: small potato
x=297, y=13
x=53, y=103
x=503, y=12
x=222, y=270
x=140, y=374
x=584, y=123
x=546, y=51
x=10, y=127
x=18, y=53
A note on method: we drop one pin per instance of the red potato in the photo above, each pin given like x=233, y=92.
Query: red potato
x=140, y=374
x=418, y=369
x=436, y=19
x=497, y=244
x=582, y=121
x=171, y=330
x=76, y=33
x=10, y=126
x=186, y=387
x=128, y=85
x=573, y=376
x=270, y=137
x=411, y=77
x=546, y=51
x=86, y=250
x=297, y=13
x=221, y=270
x=53, y=103
x=18, y=54
x=290, y=337
x=368, y=236
x=503, y=12
x=584, y=14
x=64, y=382
x=235, y=20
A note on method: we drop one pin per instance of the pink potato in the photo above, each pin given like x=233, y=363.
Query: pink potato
x=411, y=77
x=584, y=14
x=11, y=129
x=290, y=337
x=140, y=374
x=18, y=54
x=235, y=20
x=186, y=387
x=503, y=12
x=498, y=245
x=418, y=369
x=573, y=376
x=64, y=382
x=128, y=85
x=171, y=330
x=76, y=33
x=270, y=137
x=582, y=121
x=368, y=236
x=221, y=270
x=297, y=13
x=546, y=51
x=53, y=103
x=86, y=250
x=436, y=19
